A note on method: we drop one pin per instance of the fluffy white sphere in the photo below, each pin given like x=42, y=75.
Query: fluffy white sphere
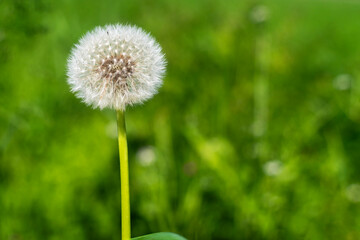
x=115, y=66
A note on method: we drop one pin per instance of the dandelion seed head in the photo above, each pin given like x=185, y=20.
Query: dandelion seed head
x=116, y=66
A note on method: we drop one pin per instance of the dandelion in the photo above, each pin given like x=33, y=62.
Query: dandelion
x=116, y=66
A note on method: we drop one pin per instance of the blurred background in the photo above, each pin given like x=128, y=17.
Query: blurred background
x=254, y=135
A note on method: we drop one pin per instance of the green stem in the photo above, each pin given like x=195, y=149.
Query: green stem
x=124, y=177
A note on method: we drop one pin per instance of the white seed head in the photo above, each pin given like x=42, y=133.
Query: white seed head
x=116, y=66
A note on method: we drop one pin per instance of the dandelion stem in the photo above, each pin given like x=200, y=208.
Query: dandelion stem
x=124, y=176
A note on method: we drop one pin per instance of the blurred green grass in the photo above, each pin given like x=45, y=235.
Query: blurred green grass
x=254, y=135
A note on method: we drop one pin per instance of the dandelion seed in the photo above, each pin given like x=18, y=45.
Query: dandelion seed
x=105, y=74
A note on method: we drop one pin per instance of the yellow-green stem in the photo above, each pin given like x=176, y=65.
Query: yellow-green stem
x=124, y=177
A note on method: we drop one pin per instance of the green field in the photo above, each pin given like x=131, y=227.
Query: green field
x=255, y=133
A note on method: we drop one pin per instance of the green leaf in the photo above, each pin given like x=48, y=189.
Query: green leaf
x=160, y=236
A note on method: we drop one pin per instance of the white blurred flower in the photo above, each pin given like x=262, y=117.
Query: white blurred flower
x=146, y=156
x=273, y=168
x=116, y=66
x=342, y=82
x=353, y=192
x=259, y=14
